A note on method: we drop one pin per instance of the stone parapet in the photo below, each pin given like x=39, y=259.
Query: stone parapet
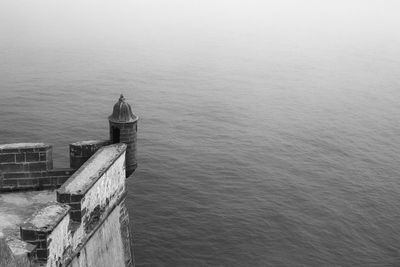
x=96, y=185
x=39, y=229
x=81, y=151
x=25, y=157
x=27, y=166
x=52, y=179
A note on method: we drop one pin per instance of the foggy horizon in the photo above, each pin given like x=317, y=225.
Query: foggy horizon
x=103, y=23
x=268, y=131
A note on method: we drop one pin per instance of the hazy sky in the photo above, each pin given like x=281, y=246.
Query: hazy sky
x=100, y=21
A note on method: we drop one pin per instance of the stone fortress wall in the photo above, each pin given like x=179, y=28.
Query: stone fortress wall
x=29, y=166
x=77, y=215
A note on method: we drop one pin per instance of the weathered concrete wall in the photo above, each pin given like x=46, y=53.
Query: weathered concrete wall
x=58, y=242
x=109, y=245
x=104, y=193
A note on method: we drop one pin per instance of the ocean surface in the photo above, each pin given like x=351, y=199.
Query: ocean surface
x=255, y=148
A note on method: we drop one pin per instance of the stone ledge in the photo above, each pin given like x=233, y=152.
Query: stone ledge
x=24, y=147
x=46, y=219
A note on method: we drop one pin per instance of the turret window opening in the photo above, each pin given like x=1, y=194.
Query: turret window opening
x=115, y=135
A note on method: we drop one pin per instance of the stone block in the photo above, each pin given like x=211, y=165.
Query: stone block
x=76, y=215
x=32, y=156
x=11, y=175
x=42, y=244
x=45, y=181
x=38, y=149
x=20, y=157
x=28, y=235
x=76, y=198
x=41, y=235
x=75, y=206
x=14, y=167
x=75, y=150
x=54, y=181
x=36, y=174
x=10, y=150
x=7, y=158
x=41, y=254
x=37, y=166
x=10, y=182
x=42, y=156
x=27, y=182
x=63, y=198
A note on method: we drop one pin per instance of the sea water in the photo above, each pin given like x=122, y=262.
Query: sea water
x=261, y=146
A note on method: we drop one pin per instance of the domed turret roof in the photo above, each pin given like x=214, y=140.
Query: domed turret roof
x=122, y=111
